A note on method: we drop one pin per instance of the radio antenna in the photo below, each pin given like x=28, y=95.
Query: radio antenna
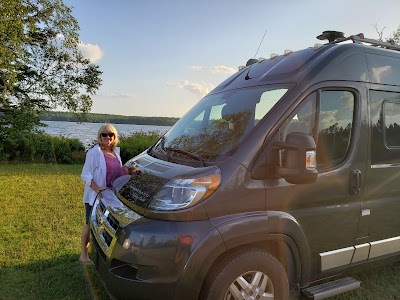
x=260, y=43
x=251, y=61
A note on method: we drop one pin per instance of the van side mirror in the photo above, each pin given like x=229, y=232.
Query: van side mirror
x=298, y=162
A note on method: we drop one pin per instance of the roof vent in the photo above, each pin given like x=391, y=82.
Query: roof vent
x=287, y=52
x=273, y=55
x=331, y=35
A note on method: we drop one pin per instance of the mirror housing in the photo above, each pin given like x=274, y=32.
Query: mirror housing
x=298, y=162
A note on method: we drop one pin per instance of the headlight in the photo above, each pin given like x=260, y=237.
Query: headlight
x=180, y=193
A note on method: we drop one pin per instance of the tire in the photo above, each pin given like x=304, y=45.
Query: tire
x=248, y=275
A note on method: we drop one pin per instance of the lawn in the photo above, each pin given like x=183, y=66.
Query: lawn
x=41, y=219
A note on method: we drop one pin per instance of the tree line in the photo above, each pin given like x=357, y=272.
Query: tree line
x=107, y=118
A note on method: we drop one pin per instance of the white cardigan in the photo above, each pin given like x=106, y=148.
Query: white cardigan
x=95, y=168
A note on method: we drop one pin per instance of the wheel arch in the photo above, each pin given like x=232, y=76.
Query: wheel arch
x=276, y=233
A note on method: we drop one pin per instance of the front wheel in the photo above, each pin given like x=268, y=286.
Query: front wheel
x=249, y=275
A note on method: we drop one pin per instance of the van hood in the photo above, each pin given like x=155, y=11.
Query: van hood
x=138, y=190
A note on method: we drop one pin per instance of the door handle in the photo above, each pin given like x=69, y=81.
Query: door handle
x=355, y=184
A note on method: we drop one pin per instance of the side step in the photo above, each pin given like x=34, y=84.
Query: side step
x=331, y=288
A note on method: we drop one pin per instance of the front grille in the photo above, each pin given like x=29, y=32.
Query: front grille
x=104, y=228
x=102, y=207
x=113, y=222
x=107, y=237
x=98, y=248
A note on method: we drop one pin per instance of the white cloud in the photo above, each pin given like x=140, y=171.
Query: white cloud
x=215, y=69
x=90, y=51
x=199, y=88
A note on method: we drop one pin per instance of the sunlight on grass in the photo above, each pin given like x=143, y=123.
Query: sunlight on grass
x=40, y=226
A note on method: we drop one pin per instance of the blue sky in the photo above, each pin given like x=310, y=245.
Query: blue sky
x=160, y=57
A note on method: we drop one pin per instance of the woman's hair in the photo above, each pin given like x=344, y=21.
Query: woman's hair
x=108, y=128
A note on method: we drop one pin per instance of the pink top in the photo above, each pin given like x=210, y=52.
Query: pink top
x=114, y=169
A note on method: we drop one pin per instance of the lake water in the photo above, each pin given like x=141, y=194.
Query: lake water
x=87, y=132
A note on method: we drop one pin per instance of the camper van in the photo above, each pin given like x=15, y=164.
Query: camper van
x=280, y=183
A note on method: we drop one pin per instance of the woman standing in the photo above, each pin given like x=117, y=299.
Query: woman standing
x=102, y=165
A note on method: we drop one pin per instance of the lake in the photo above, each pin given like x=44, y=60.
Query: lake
x=87, y=132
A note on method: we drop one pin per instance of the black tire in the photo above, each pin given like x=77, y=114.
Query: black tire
x=233, y=278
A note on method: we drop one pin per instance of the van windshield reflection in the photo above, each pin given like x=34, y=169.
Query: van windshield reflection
x=216, y=125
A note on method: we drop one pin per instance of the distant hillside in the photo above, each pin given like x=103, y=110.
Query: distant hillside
x=105, y=118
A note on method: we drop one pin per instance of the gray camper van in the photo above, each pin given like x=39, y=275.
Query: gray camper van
x=282, y=179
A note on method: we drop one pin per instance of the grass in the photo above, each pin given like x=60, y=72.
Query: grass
x=41, y=220
x=41, y=217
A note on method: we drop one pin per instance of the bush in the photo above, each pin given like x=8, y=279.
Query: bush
x=38, y=147
x=136, y=144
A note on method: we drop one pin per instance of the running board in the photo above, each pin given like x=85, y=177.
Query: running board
x=331, y=288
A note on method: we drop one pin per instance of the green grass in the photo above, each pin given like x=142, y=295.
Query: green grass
x=41, y=217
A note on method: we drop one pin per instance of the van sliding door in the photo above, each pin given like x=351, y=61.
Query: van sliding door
x=381, y=203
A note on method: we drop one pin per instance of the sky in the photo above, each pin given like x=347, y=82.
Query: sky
x=160, y=57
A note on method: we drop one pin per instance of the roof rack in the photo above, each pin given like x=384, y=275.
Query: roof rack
x=359, y=38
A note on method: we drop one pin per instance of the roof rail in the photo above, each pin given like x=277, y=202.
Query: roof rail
x=359, y=38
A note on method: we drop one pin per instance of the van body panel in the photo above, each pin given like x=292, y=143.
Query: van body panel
x=238, y=193
x=204, y=255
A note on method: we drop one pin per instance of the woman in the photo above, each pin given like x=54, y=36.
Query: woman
x=102, y=165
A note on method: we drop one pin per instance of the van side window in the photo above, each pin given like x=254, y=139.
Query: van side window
x=267, y=100
x=328, y=117
x=303, y=119
x=334, y=127
x=385, y=121
x=391, y=113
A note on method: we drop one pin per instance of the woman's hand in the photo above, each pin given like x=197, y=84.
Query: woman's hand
x=100, y=189
x=133, y=171
x=96, y=188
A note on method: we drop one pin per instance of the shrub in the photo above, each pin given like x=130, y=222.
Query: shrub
x=136, y=144
x=38, y=147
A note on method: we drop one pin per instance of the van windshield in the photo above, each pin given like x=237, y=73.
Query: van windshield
x=212, y=129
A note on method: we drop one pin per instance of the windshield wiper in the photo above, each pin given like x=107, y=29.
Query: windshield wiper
x=157, y=150
x=189, y=154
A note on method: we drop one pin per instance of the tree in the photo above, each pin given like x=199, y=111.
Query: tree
x=41, y=67
x=395, y=37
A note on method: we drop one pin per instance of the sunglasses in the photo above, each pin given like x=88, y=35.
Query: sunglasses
x=110, y=135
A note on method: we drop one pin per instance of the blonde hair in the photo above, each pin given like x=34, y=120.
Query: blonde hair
x=108, y=128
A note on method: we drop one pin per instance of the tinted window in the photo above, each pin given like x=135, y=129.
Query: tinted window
x=384, y=69
x=391, y=112
x=334, y=127
x=385, y=122
x=328, y=117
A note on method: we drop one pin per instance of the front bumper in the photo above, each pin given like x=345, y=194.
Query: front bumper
x=142, y=258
